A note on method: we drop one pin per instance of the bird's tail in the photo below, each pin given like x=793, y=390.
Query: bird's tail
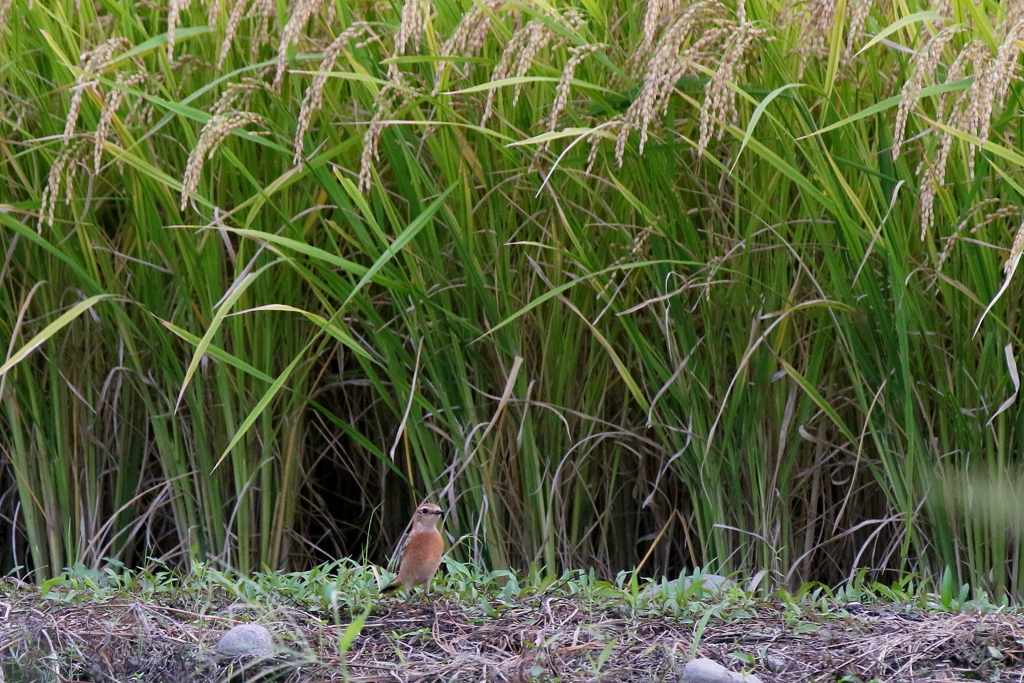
x=393, y=586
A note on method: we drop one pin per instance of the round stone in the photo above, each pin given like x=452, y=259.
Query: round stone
x=250, y=640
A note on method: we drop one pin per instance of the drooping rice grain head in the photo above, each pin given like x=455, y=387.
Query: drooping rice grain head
x=539, y=37
x=261, y=11
x=91, y=63
x=174, y=10
x=924, y=65
x=74, y=109
x=301, y=12
x=524, y=46
x=1013, y=260
x=382, y=104
x=997, y=215
x=236, y=95
x=859, y=11
x=468, y=37
x=654, y=17
x=142, y=111
x=212, y=12
x=538, y=40
x=926, y=202
x=992, y=77
x=594, y=140
x=413, y=22
x=1003, y=69
x=974, y=54
x=674, y=56
x=5, y=12
x=577, y=55
x=415, y=15
x=821, y=16
x=111, y=103
x=234, y=21
x=943, y=7
x=719, y=98
x=504, y=66
x=315, y=93
x=60, y=173
x=210, y=138
x=1014, y=13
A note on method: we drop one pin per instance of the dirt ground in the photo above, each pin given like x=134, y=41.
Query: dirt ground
x=543, y=638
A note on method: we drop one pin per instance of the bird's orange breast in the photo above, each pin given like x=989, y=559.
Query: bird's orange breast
x=421, y=558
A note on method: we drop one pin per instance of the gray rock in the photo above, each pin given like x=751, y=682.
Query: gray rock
x=251, y=640
x=708, y=671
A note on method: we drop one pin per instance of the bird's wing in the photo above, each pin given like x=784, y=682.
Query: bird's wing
x=401, y=552
x=405, y=546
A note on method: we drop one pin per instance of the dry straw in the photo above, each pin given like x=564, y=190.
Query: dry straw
x=210, y=138
x=315, y=93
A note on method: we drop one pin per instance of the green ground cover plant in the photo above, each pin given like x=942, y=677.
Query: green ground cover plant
x=664, y=284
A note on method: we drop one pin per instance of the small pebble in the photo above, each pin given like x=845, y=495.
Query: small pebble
x=776, y=664
x=250, y=640
x=708, y=671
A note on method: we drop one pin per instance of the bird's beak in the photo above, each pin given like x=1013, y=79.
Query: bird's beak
x=439, y=513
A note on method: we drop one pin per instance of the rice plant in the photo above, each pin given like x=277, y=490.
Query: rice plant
x=726, y=284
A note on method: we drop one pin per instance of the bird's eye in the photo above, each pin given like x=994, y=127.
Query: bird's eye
x=423, y=511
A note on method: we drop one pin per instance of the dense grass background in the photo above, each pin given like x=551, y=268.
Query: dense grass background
x=753, y=347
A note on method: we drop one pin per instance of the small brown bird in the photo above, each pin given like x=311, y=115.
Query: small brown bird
x=421, y=553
